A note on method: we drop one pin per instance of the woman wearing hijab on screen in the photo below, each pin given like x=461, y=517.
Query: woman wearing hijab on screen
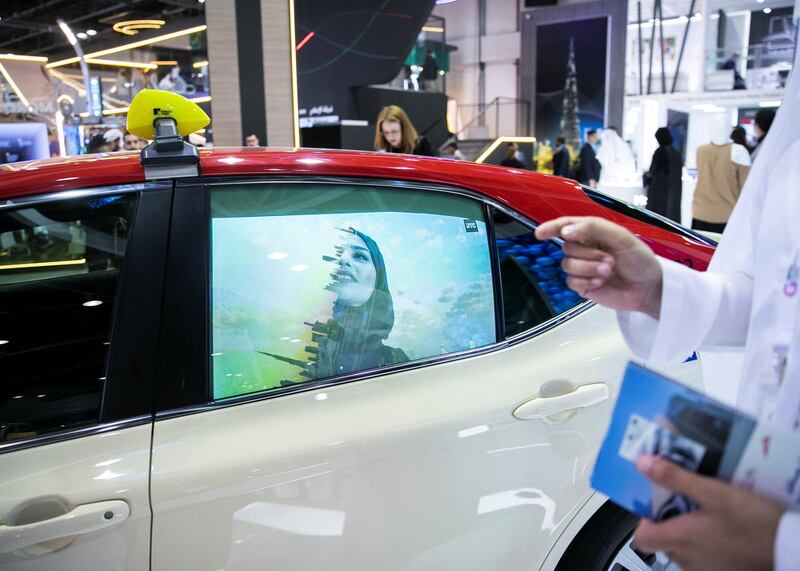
x=363, y=314
x=394, y=133
x=663, y=179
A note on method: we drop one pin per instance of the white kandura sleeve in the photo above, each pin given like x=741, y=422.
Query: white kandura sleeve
x=787, y=548
x=698, y=309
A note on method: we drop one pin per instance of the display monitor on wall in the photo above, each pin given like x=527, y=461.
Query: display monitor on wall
x=571, y=79
x=23, y=142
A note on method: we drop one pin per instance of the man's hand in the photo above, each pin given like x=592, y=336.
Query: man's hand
x=606, y=263
x=733, y=528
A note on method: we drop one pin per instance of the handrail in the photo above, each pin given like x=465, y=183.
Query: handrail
x=496, y=102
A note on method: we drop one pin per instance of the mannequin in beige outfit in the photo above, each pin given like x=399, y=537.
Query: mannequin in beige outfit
x=722, y=168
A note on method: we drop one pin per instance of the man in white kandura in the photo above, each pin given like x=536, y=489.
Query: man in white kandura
x=749, y=297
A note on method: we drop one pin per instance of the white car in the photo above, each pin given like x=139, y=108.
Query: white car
x=304, y=360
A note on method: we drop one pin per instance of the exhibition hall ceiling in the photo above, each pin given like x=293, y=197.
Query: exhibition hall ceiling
x=676, y=8
x=30, y=27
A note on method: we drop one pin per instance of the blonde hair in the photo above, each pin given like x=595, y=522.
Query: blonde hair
x=395, y=114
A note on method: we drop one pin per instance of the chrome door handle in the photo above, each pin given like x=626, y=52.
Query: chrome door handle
x=581, y=397
x=85, y=518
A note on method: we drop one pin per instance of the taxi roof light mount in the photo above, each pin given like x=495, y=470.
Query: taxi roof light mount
x=165, y=118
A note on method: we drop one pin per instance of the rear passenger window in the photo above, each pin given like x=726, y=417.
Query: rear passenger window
x=534, y=285
x=318, y=281
x=59, y=270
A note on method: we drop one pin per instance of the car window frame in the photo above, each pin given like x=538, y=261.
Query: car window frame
x=125, y=401
x=191, y=221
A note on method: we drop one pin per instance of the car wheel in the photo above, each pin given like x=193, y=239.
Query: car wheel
x=606, y=544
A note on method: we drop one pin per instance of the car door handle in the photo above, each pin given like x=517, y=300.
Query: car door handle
x=83, y=519
x=581, y=397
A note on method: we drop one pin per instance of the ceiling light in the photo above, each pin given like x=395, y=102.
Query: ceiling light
x=432, y=29
x=23, y=58
x=3, y=341
x=198, y=64
x=760, y=1
x=133, y=45
x=767, y=10
x=164, y=62
x=132, y=27
x=121, y=63
x=91, y=32
x=82, y=36
x=68, y=32
x=92, y=303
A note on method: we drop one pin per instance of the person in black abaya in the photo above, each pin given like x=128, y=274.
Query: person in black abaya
x=663, y=179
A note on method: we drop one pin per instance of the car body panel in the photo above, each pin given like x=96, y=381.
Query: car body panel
x=418, y=469
x=56, y=478
x=421, y=469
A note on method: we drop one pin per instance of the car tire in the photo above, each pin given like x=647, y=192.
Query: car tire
x=604, y=544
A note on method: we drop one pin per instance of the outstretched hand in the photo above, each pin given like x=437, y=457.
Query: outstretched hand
x=606, y=263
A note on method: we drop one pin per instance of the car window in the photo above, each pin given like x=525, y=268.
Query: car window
x=534, y=285
x=317, y=281
x=59, y=269
x=646, y=216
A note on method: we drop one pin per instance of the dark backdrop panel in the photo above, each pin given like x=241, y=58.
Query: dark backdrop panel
x=427, y=111
x=775, y=33
x=616, y=12
x=354, y=43
x=589, y=38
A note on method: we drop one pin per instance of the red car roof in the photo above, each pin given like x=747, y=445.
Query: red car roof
x=539, y=197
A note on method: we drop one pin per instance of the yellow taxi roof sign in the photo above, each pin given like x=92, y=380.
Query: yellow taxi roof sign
x=150, y=104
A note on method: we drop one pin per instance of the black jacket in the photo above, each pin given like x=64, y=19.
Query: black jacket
x=561, y=162
x=664, y=183
x=589, y=168
x=423, y=148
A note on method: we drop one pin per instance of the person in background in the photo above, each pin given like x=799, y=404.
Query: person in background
x=589, y=168
x=761, y=124
x=663, y=179
x=98, y=144
x=52, y=142
x=511, y=159
x=394, y=133
x=722, y=168
x=251, y=140
x=561, y=158
x=733, y=63
x=430, y=72
x=131, y=142
x=114, y=136
x=739, y=136
x=454, y=153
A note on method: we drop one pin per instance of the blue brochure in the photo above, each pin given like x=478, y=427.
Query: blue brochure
x=655, y=415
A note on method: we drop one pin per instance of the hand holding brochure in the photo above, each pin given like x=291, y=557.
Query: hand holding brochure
x=655, y=415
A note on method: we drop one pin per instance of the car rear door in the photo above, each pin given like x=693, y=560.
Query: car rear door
x=80, y=299
x=274, y=449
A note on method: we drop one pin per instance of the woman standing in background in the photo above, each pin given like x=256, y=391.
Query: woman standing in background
x=663, y=179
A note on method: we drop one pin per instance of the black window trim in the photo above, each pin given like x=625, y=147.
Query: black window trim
x=205, y=186
x=665, y=223
x=104, y=425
